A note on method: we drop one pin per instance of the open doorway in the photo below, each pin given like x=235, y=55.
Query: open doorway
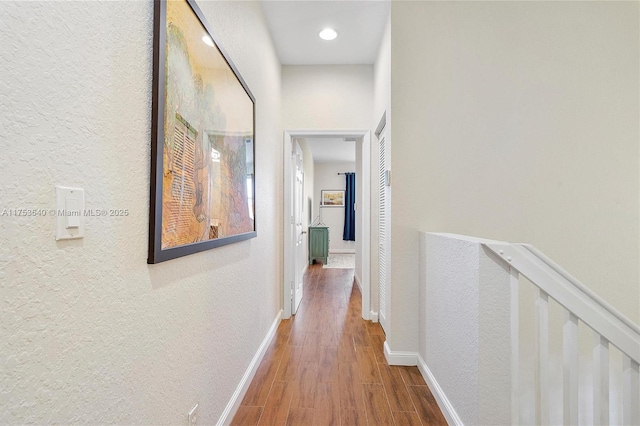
x=334, y=164
x=292, y=229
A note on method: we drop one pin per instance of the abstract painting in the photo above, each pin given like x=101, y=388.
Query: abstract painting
x=202, y=165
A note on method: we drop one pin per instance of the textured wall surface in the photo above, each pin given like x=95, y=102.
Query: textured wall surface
x=464, y=326
x=518, y=121
x=449, y=303
x=88, y=331
x=327, y=97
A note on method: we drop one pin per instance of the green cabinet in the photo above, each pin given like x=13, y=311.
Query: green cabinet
x=318, y=243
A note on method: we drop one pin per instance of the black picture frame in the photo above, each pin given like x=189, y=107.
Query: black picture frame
x=225, y=122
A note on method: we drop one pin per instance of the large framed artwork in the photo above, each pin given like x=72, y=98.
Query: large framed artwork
x=202, y=139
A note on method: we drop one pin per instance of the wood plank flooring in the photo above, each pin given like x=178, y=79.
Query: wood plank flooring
x=326, y=366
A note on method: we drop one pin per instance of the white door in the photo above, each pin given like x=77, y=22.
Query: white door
x=299, y=232
x=384, y=213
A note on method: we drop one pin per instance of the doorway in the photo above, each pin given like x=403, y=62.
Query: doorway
x=363, y=218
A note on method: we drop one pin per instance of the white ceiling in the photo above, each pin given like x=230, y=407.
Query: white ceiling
x=332, y=150
x=295, y=24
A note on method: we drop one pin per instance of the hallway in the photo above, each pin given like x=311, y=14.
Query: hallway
x=326, y=366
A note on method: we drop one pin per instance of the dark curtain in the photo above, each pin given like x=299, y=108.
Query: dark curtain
x=349, y=233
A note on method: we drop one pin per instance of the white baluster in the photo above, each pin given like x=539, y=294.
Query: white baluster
x=515, y=346
x=600, y=380
x=630, y=392
x=542, y=358
x=570, y=355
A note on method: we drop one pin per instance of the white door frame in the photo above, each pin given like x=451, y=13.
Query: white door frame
x=365, y=218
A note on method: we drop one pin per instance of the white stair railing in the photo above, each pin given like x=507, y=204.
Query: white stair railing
x=580, y=304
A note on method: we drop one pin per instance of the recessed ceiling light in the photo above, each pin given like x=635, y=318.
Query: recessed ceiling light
x=328, y=34
x=207, y=40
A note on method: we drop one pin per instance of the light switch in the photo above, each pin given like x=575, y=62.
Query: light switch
x=72, y=206
x=69, y=213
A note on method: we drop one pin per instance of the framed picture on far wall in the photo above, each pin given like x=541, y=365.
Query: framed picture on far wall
x=332, y=198
x=202, y=139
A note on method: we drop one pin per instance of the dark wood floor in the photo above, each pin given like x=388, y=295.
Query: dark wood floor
x=326, y=367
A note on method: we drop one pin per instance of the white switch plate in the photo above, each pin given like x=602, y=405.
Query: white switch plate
x=69, y=213
x=193, y=416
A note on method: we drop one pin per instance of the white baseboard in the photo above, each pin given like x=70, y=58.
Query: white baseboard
x=443, y=402
x=342, y=251
x=355, y=276
x=373, y=316
x=399, y=358
x=234, y=403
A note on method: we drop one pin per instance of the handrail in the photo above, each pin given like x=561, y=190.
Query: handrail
x=573, y=280
x=571, y=294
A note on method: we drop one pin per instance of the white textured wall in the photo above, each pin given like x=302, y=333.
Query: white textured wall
x=517, y=121
x=88, y=331
x=326, y=177
x=382, y=77
x=327, y=97
x=464, y=326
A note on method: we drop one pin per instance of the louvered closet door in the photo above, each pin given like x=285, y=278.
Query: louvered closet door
x=383, y=231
